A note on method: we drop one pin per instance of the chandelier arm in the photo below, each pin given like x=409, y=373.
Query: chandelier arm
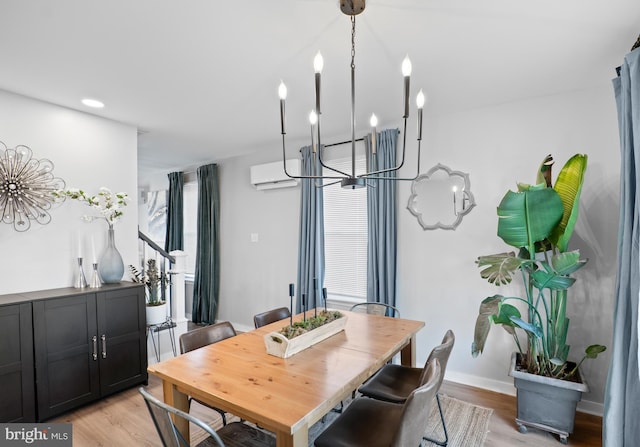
x=284, y=165
x=320, y=150
x=328, y=184
x=368, y=177
x=404, y=145
x=408, y=179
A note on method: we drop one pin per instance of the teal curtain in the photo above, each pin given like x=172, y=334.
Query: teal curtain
x=311, y=235
x=622, y=394
x=382, y=206
x=206, y=283
x=174, y=239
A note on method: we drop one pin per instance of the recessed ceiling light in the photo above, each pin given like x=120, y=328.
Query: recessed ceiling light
x=92, y=103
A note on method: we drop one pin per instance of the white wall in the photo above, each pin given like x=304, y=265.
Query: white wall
x=499, y=146
x=255, y=276
x=88, y=152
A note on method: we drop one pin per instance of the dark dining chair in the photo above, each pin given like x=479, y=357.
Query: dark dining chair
x=394, y=383
x=375, y=308
x=374, y=423
x=235, y=434
x=270, y=316
x=204, y=336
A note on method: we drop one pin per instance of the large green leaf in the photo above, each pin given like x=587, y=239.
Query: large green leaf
x=488, y=307
x=532, y=329
x=498, y=269
x=567, y=262
x=569, y=185
x=527, y=217
x=542, y=279
x=592, y=351
x=503, y=317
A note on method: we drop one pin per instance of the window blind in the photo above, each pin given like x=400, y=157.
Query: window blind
x=345, y=235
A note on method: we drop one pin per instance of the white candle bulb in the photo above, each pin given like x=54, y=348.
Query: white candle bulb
x=420, y=99
x=318, y=63
x=406, y=67
x=282, y=91
x=313, y=117
x=374, y=120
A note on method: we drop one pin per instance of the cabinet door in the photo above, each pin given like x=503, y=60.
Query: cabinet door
x=16, y=364
x=122, y=339
x=65, y=354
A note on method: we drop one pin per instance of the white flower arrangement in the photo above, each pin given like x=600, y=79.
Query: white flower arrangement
x=108, y=205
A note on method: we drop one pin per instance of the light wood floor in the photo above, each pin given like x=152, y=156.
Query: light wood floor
x=122, y=420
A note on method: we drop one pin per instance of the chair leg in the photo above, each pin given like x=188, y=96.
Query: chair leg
x=220, y=412
x=444, y=427
x=224, y=417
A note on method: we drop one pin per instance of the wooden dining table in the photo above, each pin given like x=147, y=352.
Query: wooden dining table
x=286, y=396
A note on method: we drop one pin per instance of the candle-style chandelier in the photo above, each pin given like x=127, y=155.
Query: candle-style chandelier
x=351, y=180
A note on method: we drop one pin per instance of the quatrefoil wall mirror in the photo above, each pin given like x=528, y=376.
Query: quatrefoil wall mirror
x=440, y=198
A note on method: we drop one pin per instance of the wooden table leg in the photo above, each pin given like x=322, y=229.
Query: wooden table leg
x=180, y=401
x=408, y=353
x=298, y=439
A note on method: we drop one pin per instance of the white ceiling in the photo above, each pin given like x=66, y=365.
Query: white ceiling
x=199, y=77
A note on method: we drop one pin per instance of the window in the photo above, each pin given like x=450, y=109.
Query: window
x=190, y=210
x=345, y=235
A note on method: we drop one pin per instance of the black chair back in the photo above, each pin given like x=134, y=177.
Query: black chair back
x=442, y=353
x=376, y=309
x=271, y=316
x=204, y=336
x=415, y=415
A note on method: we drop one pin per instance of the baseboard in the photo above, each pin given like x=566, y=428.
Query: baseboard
x=503, y=387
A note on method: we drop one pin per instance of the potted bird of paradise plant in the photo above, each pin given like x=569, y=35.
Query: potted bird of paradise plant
x=538, y=221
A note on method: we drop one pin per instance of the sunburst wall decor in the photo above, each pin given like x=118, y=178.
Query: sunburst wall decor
x=26, y=187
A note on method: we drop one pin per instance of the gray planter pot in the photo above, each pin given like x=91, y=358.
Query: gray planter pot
x=546, y=403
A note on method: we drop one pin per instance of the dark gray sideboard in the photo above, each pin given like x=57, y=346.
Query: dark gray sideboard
x=62, y=348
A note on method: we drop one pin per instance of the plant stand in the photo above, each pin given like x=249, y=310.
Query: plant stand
x=546, y=403
x=155, y=329
x=280, y=346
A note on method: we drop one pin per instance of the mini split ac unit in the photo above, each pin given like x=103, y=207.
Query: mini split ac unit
x=271, y=175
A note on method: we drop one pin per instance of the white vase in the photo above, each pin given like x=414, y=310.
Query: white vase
x=156, y=314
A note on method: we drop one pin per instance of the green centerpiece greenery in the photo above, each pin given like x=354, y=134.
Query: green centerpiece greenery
x=538, y=220
x=301, y=327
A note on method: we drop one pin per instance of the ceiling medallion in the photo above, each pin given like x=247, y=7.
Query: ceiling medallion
x=26, y=187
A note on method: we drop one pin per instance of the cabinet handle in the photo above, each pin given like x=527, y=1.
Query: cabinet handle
x=104, y=346
x=94, y=339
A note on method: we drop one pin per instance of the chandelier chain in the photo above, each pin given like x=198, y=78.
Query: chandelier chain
x=353, y=41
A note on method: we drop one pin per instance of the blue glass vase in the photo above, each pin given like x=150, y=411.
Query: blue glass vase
x=111, y=267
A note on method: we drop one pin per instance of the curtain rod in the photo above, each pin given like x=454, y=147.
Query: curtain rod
x=345, y=142
x=342, y=142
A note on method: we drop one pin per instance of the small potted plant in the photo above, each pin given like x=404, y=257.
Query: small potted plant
x=538, y=220
x=155, y=283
